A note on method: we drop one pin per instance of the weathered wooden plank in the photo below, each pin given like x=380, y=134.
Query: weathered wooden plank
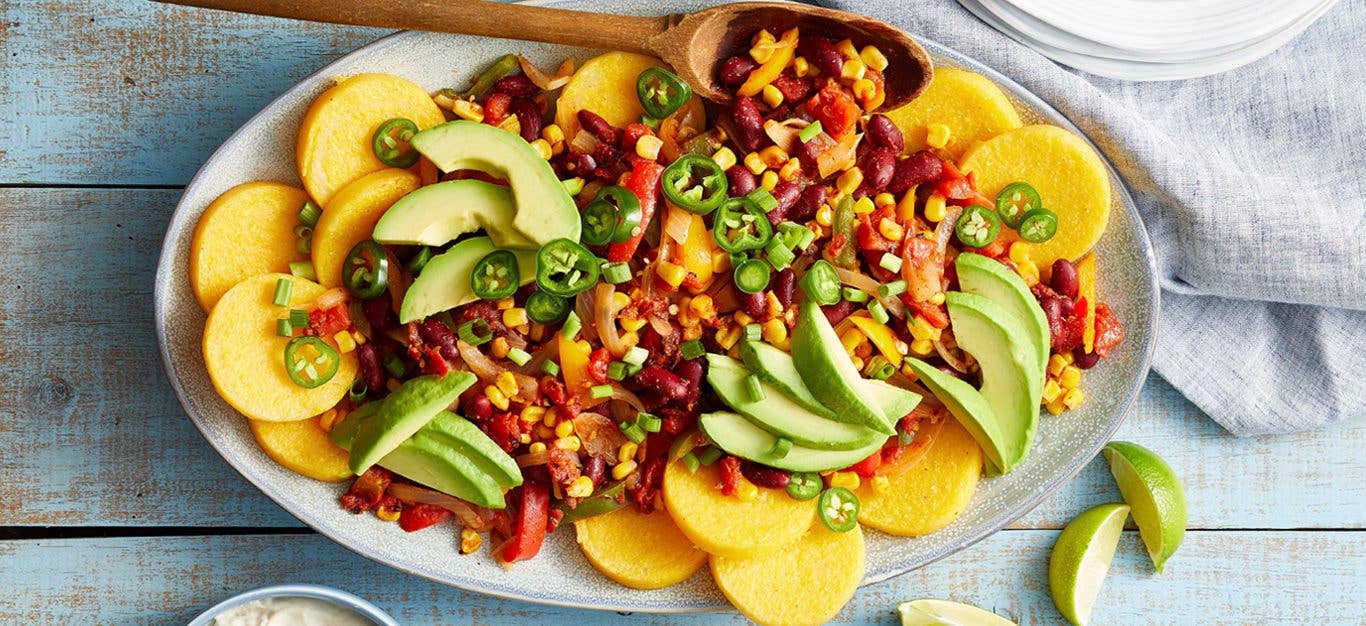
x=92, y=434
x=1216, y=578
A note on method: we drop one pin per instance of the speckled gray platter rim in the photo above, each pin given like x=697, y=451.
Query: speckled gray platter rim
x=560, y=575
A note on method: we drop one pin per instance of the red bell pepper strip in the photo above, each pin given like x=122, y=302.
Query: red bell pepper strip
x=867, y=467
x=730, y=475
x=418, y=516
x=533, y=514
x=644, y=182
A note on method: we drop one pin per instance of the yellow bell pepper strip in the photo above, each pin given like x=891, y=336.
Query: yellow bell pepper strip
x=696, y=252
x=881, y=336
x=1086, y=289
x=574, y=365
x=761, y=77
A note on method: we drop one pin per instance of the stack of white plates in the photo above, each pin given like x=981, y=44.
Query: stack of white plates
x=1151, y=39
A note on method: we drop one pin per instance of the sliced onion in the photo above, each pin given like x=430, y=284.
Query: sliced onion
x=468, y=515
x=603, y=319
x=333, y=297
x=528, y=389
x=584, y=142
x=584, y=305
x=480, y=365
x=545, y=81
x=943, y=233
x=548, y=350
x=677, y=224
x=863, y=282
x=784, y=133
x=950, y=356
x=599, y=435
x=840, y=156
x=533, y=458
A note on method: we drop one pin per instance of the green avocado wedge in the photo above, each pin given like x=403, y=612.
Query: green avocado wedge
x=545, y=211
x=463, y=436
x=1001, y=346
x=444, y=282
x=775, y=368
x=994, y=281
x=403, y=413
x=779, y=414
x=894, y=401
x=970, y=409
x=829, y=374
x=737, y=435
x=436, y=214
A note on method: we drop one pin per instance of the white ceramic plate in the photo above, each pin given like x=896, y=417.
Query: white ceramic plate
x=263, y=149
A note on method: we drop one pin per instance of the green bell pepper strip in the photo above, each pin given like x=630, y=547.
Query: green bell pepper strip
x=310, y=362
x=603, y=501
x=741, y=226
x=844, y=223
x=977, y=226
x=612, y=217
x=386, y=142
x=661, y=92
x=695, y=183
x=496, y=276
x=1038, y=226
x=838, y=509
x=752, y=276
x=545, y=308
x=564, y=268
x=365, y=273
x=1014, y=201
x=504, y=66
x=804, y=485
x=821, y=283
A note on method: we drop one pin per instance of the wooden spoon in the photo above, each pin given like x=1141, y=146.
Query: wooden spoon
x=693, y=43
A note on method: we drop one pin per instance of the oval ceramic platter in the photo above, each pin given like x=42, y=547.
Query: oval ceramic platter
x=263, y=149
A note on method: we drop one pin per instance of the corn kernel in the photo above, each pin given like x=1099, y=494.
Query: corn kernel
x=742, y=318
x=769, y=180
x=570, y=443
x=445, y=98
x=703, y=307
x=847, y=49
x=920, y=328
x=345, y=342
x=537, y=447
x=388, y=514
x=922, y=347
x=772, y=96
x=746, y=491
x=504, y=304
x=755, y=164
x=725, y=158
x=358, y=337
x=1029, y=272
x=497, y=397
x=515, y=316
x=774, y=157
x=825, y=215
x=627, y=451
x=790, y=170
x=937, y=135
x=1055, y=407
x=864, y=205
x=499, y=348
x=542, y=148
x=470, y=541
x=1067, y=356
x=619, y=301
x=762, y=46
x=582, y=487
x=631, y=324
x=728, y=337
x=564, y=429
x=873, y=58
x=1051, y=390
x=854, y=70
x=647, y=147
x=1073, y=399
x=890, y=229
x=881, y=483
x=884, y=199
x=524, y=438
x=937, y=299
x=849, y=181
x=864, y=89
x=775, y=331
x=1070, y=377
x=905, y=208
x=672, y=273
x=553, y=134
x=507, y=383
x=532, y=414
x=848, y=480
x=511, y=124
x=775, y=306
x=623, y=469
x=935, y=208
x=720, y=260
x=551, y=417
x=466, y=110
x=1055, y=364
x=801, y=66
x=1019, y=251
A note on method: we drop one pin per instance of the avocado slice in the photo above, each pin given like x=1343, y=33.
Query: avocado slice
x=779, y=414
x=1001, y=345
x=775, y=368
x=544, y=209
x=894, y=401
x=444, y=283
x=737, y=435
x=969, y=407
x=994, y=281
x=436, y=214
x=463, y=436
x=403, y=413
x=829, y=374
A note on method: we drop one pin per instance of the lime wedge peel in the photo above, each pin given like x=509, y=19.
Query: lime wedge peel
x=931, y=612
x=1081, y=557
x=1150, y=486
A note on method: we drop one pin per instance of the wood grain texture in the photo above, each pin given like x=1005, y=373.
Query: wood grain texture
x=1216, y=578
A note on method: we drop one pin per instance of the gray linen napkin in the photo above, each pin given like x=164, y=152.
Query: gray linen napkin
x=1252, y=185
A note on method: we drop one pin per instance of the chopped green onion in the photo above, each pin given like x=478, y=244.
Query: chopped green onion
x=764, y=199
x=283, y=289
x=710, y=455
x=879, y=314
x=806, y=238
x=304, y=245
x=652, y=122
x=475, y=332
x=753, y=332
x=810, y=132
x=298, y=318
x=283, y=328
x=783, y=445
x=778, y=255
x=890, y=262
x=550, y=368
x=632, y=432
x=395, y=366
x=795, y=235
x=598, y=392
x=878, y=368
x=573, y=185
x=636, y=355
x=905, y=437
x=358, y=391
x=616, y=370
x=692, y=349
x=857, y=296
x=616, y=273
x=894, y=288
x=420, y=259
x=649, y=423
x=519, y=356
x=632, y=370
x=753, y=388
x=691, y=462
x=303, y=269
x=310, y=213
x=571, y=327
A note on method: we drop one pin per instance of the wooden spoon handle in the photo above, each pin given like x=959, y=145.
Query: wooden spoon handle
x=469, y=17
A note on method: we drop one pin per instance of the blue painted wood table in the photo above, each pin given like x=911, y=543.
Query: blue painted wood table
x=113, y=510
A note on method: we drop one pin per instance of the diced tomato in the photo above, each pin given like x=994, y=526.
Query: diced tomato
x=632, y=134
x=418, y=516
x=867, y=467
x=328, y=322
x=644, y=182
x=496, y=108
x=651, y=477
x=869, y=236
x=935, y=314
x=433, y=363
x=597, y=365
x=533, y=512
x=1109, y=330
x=836, y=245
x=505, y=429
x=953, y=185
x=834, y=108
x=367, y=491
x=730, y=475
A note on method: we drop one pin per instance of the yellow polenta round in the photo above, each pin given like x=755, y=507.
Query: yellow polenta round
x=350, y=217
x=248, y=230
x=969, y=104
x=246, y=358
x=1070, y=177
x=638, y=550
x=334, y=145
x=807, y=582
x=302, y=446
x=727, y=525
x=606, y=85
x=931, y=493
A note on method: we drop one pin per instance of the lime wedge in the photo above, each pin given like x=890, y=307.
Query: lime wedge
x=1081, y=557
x=930, y=612
x=1152, y=489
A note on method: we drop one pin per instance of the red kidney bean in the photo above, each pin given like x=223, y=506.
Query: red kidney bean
x=478, y=407
x=749, y=123
x=1056, y=308
x=594, y=468
x=793, y=88
x=516, y=85
x=884, y=133
x=786, y=193
x=1085, y=360
x=785, y=286
x=1064, y=278
x=580, y=163
x=810, y=201
x=878, y=166
x=371, y=369
x=753, y=304
x=377, y=313
x=921, y=167
x=691, y=373
x=528, y=118
x=735, y=70
x=437, y=334
x=741, y=181
x=667, y=383
x=836, y=313
x=822, y=53
x=807, y=153
x=593, y=123
x=765, y=476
